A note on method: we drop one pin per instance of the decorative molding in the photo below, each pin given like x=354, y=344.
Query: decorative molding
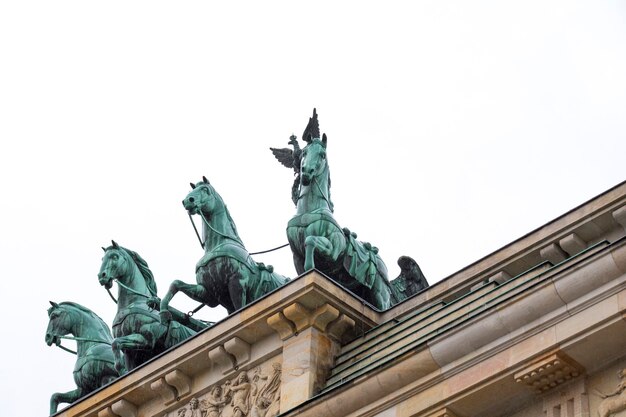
x=323, y=316
x=221, y=360
x=339, y=327
x=124, y=408
x=180, y=381
x=165, y=391
x=284, y=327
x=295, y=318
x=620, y=216
x=549, y=372
x=120, y=408
x=106, y=412
x=298, y=315
x=500, y=277
x=553, y=253
x=239, y=349
x=572, y=244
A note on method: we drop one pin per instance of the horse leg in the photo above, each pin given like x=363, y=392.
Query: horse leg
x=295, y=244
x=325, y=238
x=120, y=362
x=63, y=397
x=298, y=262
x=133, y=341
x=236, y=292
x=313, y=244
x=194, y=291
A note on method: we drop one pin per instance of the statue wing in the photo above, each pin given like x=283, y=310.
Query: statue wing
x=312, y=129
x=285, y=156
x=410, y=270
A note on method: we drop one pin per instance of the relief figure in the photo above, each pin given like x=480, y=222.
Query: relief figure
x=615, y=401
x=241, y=395
x=267, y=402
x=215, y=402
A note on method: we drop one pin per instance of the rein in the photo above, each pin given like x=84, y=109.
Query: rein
x=202, y=244
x=67, y=350
x=322, y=193
x=196, y=230
x=225, y=236
x=130, y=289
x=78, y=339
x=319, y=188
x=270, y=250
x=84, y=339
x=111, y=295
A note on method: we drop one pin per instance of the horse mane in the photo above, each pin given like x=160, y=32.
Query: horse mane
x=230, y=219
x=89, y=313
x=330, y=200
x=144, y=269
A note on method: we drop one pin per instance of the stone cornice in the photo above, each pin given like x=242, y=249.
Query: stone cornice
x=539, y=313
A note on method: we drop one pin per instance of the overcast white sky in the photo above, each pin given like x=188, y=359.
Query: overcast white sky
x=454, y=128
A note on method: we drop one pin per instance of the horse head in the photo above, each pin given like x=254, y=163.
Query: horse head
x=115, y=264
x=59, y=324
x=69, y=317
x=202, y=198
x=129, y=270
x=313, y=160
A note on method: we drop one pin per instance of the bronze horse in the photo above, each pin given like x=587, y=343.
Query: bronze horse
x=317, y=240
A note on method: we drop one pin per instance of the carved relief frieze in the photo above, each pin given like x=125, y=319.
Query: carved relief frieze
x=253, y=393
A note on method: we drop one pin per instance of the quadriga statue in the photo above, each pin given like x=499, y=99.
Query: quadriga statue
x=94, y=366
x=226, y=275
x=317, y=240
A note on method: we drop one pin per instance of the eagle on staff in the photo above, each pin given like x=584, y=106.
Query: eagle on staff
x=291, y=157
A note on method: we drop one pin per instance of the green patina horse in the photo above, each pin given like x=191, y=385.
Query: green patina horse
x=137, y=328
x=317, y=240
x=94, y=366
x=226, y=275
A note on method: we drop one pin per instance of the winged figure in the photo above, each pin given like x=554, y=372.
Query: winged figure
x=288, y=157
x=291, y=159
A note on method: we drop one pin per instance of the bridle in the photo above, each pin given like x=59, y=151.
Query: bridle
x=317, y=184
